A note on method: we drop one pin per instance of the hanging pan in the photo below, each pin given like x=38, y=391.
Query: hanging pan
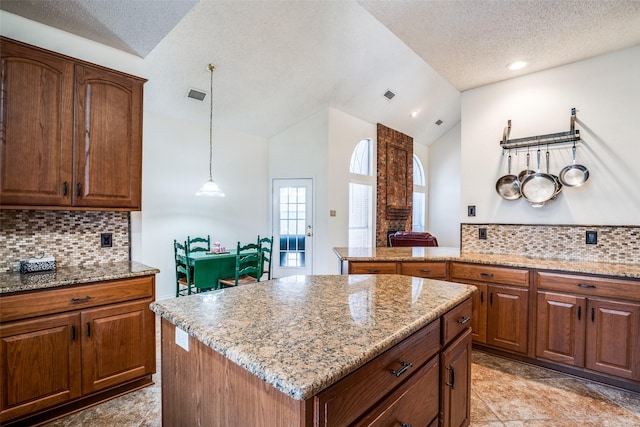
x=508, y=186
x=555, y=178
x=526, y=171
x=574, y=175
x=538, y=187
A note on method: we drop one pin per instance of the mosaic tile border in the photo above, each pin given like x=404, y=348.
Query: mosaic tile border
x=616, y=244
x=72, y=237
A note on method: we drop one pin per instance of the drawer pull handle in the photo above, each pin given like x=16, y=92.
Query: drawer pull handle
x=425, y=271
x=405, y=425
x=73, y=332
x=405, y=367
x=89, y=329
x=373, y=271
x=464, y=320
x=488, y=275
x=582, y=285
x=78, y=300
x=453, y=377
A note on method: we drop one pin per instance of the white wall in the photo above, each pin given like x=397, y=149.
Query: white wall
x=606, y=92
x=345, y=132
x=444, y=188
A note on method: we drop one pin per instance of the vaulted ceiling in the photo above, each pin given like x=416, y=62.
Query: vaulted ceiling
x=278, y=62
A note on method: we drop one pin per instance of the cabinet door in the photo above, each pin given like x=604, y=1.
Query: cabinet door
x=35, y=126
x=507, y=318
x=108, y=139
x=479, y=314
x=39, y=364
x=118, y=345
x=455, y=383
x=561, y=328
x=613, y=338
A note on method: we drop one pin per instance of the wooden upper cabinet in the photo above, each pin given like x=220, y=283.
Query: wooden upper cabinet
x=108, y=139
x=36, y=118
x=71, y=132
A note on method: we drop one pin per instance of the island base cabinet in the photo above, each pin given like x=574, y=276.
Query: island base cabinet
x=455, y=385
x=40, y=362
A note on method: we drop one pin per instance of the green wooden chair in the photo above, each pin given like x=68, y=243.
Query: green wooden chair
x=248, y=266
x=199, y=244
x=266, y=246
x=184, y=281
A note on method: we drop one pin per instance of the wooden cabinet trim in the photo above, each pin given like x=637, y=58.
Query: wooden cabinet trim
x=50, y=301
x=372, y=267
x=429, y=270
x=489, y=274
x=589, y=285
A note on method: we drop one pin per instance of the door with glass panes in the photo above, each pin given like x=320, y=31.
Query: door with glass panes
x=292, y=227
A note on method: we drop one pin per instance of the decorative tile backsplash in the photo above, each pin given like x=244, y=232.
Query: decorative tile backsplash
x=617, y=244
x=72, y=237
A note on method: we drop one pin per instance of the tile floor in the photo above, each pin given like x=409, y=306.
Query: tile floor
x=504, y=393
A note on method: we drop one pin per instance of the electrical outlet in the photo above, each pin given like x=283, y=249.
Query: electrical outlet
x=482, y=233
x=105, y=240
x=592, y=238
x=471, y=210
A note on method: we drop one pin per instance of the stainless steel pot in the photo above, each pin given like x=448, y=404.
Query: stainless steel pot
x=574, y=175
x=555, y=178
x=508, y=186
x=538, y=188
x=526, y=171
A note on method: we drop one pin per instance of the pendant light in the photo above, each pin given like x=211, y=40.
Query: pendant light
x=210, y=188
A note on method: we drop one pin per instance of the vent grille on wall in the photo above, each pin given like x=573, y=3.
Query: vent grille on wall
x=198, y=95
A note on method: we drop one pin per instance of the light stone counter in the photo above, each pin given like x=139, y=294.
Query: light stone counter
x=303, y=333
x=453, y=254
x=63, y=276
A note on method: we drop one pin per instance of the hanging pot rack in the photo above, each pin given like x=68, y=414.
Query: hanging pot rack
x=572, y=136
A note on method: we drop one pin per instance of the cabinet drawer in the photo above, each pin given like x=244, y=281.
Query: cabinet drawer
x=483, y=273
x=415, y=403
x=589, y=285
x=353, y=396
x=456, y=321
x=51, y=301
x=372, y=268
x=429, y=270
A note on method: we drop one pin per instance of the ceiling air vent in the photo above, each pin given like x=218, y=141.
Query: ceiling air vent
x=196, y=94
x=439, y=122
x=389, y=95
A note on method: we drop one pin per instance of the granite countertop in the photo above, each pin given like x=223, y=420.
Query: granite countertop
x=453, y=254
x=64, y=276
x=303, y=333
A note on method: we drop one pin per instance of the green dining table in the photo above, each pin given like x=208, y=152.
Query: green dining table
x=209, y=268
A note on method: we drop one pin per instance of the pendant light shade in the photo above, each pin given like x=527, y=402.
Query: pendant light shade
x=210, y=188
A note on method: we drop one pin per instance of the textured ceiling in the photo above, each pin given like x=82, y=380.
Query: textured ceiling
x=278, y=62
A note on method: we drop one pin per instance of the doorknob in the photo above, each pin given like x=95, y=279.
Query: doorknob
x=309, y=234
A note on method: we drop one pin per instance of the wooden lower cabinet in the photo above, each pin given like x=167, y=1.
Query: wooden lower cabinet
x=455, y=385
x=507, y=318
x=49, y=361
x=560, y=326
x=40, y=364
x=372, y=267
x=427, y=270
x=613, y=338
x=479, y=313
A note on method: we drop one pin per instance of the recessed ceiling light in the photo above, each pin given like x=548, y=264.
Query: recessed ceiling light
x=517, y=65
x=413, y=114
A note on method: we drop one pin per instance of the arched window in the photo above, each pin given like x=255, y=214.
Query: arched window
x=361, y=184
x=419, y=195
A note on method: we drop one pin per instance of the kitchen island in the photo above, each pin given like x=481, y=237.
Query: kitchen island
x=316, y=350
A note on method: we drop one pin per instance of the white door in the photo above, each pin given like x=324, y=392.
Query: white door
x=292, y=227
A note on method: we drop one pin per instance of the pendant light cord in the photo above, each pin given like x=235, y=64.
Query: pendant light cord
x=211, y=68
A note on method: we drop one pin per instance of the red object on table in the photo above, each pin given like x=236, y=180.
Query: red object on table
x=412, y=238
